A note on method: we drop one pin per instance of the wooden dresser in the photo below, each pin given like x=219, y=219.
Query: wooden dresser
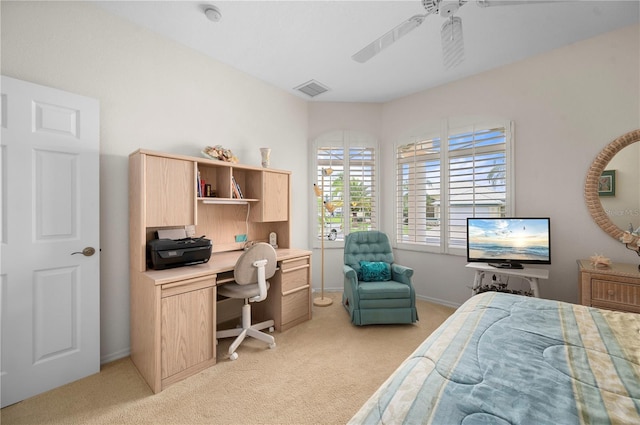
x=616, y=287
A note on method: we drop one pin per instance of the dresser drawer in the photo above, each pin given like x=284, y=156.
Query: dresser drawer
x=616, y=287
x=615, y=292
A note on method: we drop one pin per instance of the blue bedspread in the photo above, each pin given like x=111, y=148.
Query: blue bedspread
x=508, y=359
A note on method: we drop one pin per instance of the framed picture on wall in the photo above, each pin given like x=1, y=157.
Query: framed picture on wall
x=607, y=183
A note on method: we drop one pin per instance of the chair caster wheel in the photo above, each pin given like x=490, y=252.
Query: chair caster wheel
x=271, y=328
x=233, y=356
x=272, y=346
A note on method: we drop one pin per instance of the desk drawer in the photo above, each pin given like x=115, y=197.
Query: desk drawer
x=295, y=279
x=187, y=285
x=295, y=306
x=620, y=293
x=294, y=263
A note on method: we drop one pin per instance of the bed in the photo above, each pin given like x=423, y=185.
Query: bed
x=510, y=359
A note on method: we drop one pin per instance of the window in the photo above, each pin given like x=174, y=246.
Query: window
x=447, y=175
x=343, y=207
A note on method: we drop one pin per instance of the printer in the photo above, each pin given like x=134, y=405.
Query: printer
x=168, y=253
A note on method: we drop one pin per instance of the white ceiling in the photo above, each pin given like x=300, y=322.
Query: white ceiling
x=288, y=43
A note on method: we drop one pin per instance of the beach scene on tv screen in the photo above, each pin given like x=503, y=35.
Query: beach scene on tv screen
x=514, y=239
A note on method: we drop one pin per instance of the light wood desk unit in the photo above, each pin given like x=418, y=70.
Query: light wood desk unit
x=616, y=287
x=174, y=312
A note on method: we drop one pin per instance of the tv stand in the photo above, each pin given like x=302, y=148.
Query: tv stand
x=531, y=275
x=507, y=265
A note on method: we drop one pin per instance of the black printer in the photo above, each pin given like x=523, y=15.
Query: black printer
x=168, y=253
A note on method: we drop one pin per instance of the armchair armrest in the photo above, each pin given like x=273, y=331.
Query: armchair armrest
x=401, y=273
x=351, y=284
x=349, y=273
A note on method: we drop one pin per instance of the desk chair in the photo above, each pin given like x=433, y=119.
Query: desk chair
x=253, y=268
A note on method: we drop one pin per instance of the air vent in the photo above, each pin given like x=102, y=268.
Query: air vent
x=312, y=88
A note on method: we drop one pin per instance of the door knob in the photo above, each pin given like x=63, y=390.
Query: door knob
x=87, y=252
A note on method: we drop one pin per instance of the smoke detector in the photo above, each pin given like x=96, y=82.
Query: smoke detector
x=212, y=13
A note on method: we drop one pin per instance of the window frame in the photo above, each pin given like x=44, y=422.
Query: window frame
x=442, y=130
x=345, y=139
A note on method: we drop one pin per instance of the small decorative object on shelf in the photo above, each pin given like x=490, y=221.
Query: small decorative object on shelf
x=265, y=153
x=219, y=153
x=600, y=261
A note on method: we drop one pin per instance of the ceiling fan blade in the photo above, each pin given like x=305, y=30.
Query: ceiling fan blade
x=389, y=38
x=452, y=42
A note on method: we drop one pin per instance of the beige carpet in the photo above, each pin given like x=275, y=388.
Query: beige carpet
x=321, y=372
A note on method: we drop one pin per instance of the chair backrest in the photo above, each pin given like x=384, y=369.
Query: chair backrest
x=245, y=272
x=371, y=245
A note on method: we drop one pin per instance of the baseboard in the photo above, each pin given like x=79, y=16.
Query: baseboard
x=115, y=356
x=317, y=291
x=438, y=301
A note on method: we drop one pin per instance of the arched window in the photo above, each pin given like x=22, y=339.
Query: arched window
x=346, y=184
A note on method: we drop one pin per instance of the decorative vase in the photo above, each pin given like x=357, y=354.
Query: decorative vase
x=266, y=155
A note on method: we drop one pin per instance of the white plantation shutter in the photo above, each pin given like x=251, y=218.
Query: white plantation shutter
x=350, y=188
x=477, y=179
x=330, y=159
x=418, y=192
x=439, y=185
x=362, y=188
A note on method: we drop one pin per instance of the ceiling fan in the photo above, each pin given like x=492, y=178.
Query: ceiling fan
x=451, y=31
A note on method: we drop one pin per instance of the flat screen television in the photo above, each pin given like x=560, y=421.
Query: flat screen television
x=509, y=242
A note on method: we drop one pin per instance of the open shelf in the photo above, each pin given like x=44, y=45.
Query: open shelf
x=222, y=201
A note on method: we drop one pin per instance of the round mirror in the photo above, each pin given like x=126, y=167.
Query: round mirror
x=612, y=187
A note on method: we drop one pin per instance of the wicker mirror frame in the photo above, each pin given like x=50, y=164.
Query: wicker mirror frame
x=591, y=185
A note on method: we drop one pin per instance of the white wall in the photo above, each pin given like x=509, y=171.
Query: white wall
x=566, y=105
x=153, y=94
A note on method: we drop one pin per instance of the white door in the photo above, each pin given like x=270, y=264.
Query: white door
x=49, y=296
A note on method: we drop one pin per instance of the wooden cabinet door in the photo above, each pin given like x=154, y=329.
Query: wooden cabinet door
x=187, y=330
x=170, y=192
x=275, y=197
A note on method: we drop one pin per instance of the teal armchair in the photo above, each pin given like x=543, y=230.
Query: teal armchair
x=376, y=290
